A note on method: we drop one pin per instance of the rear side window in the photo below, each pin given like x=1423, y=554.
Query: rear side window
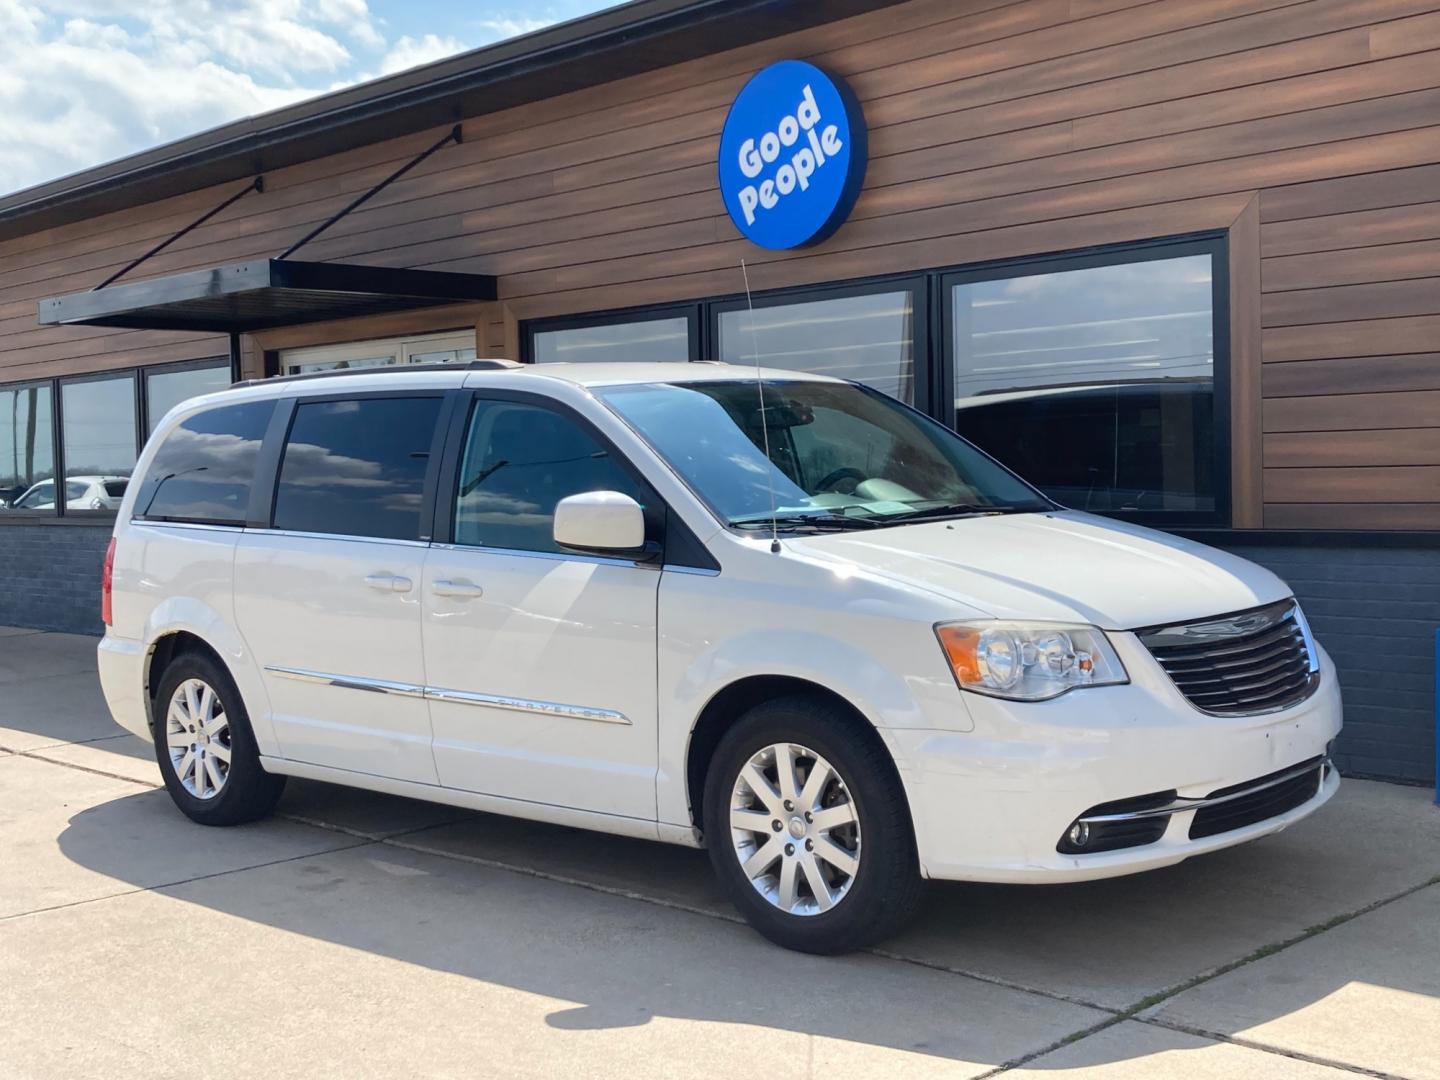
x=357, y=468
x=205, y=468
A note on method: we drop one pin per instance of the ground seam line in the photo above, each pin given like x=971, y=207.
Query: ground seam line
x=36, y=756
x=1298, y=1055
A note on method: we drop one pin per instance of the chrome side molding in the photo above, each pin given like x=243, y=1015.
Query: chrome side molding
x=454, y=697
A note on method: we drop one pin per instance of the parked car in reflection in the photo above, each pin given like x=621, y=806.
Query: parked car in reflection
x=81, y=493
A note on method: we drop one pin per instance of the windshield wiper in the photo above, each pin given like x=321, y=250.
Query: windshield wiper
x=959, y=510
x=837, y=522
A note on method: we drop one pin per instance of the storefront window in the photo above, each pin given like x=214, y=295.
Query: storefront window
x=26, y=446
x=1096, y=384
x=662, y=340
x=98, y=429
x=164, y=389
x=869, y=338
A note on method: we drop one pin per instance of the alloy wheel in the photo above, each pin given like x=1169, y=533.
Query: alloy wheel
x=795, y=829
x=197, y=737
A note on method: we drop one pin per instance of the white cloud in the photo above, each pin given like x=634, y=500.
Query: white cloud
x=513, y=25
x=87, y=81
x=411, y=52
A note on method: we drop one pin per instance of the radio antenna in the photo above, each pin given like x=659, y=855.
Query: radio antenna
x=764, y=422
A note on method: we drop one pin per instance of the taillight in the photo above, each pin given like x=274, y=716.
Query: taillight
x=107, y=586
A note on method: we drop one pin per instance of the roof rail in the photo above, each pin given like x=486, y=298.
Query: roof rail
x=469, y=365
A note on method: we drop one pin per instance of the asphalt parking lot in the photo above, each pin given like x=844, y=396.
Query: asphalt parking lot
x=361, y=935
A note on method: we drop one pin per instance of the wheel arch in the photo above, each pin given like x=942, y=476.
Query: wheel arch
x=731, y=702
x=163, y=650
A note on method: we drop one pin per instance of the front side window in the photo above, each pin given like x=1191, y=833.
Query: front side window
x=868, y=338
x=519, y=461
x=26, y=445
x=1097, y=384
x=662, y=339
x=838, y=456
x=357, y=467
x=98, y=436
x=205, y=468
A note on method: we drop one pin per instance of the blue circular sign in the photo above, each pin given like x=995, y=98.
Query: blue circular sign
x=792, y=155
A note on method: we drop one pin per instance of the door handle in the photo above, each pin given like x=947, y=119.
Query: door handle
x=388, y=582
x=459, y=589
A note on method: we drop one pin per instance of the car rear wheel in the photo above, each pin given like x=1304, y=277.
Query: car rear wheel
x=205, y=748
x=808, y=828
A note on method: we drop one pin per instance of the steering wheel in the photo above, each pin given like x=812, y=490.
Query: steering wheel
x=843, y=473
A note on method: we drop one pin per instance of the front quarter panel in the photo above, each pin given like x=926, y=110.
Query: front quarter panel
x=867, y=641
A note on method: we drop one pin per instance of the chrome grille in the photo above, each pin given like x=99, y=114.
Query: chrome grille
x=1253, y=661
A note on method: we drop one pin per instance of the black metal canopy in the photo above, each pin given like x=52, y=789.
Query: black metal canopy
x=249, y=296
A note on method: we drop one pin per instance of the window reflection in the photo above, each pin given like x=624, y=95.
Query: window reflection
x=357, y=468
x=870, y=339
x=655, y=340
x=26, y=447
x=205, y=468
x=166, y=389
x=98, y=433
x=1095, y=384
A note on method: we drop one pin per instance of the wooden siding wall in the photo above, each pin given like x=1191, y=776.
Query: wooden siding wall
x=1309, y=129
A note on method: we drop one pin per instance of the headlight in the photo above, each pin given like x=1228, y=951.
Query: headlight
x=1028, y=661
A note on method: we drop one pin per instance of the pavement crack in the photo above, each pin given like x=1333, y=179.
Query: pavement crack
x=36, y=756
x=1278, y=1051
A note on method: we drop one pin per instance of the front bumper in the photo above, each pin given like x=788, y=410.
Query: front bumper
x=992, y=804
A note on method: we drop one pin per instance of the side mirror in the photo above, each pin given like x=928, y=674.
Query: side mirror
x=602, y=523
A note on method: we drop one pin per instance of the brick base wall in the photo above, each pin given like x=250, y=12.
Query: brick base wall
x=50, y=576
x=1375, y=610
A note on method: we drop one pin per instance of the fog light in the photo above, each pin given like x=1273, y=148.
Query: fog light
x=1079, y=834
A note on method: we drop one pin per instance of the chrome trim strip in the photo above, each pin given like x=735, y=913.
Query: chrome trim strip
x=454, y=697
x=344, y=537
x=194, y=526
x=349, y=682
x=1180, y=805
x=527, y=705
x=551, y=556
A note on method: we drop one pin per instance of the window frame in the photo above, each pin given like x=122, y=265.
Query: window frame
x=62, y=464
x=146, y=373
x=1212, y=244
x=691, y=313
x=32, y=516
x=257, y=478
x=264, y=498
x=139, y=374
x=934, y=357
x=917, y=285
x=679, y=548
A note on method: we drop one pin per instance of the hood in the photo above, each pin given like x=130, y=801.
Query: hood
x=1064, y=566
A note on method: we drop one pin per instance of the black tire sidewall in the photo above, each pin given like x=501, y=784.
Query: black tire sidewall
x=249, y=791
x=880, y=896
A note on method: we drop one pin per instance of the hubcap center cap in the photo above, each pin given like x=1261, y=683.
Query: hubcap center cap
x=797, y=827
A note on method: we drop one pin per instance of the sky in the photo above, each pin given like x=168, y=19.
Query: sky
x=87, y=81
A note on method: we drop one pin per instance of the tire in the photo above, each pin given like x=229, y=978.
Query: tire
x=246, y=792
x=865, y=906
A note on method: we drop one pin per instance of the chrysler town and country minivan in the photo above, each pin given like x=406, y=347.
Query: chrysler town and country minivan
x=787, y=618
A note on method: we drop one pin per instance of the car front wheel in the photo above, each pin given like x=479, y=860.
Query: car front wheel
x=808, y=829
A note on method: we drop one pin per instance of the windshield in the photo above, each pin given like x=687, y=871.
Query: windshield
x=839, y=455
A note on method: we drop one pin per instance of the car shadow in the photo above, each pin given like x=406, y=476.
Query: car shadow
x=1111, y=943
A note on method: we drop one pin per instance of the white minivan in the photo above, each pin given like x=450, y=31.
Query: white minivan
x=786, y=618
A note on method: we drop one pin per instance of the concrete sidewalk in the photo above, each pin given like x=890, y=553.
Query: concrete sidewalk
x=361, y=935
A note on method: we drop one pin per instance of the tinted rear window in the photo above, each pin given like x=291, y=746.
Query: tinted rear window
x=357, y=468
x=205, y=468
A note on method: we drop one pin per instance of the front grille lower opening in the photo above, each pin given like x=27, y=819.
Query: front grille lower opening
x=1257, y=806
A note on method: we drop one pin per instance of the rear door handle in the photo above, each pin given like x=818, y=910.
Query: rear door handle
x=389, y=582
x=459, y=589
